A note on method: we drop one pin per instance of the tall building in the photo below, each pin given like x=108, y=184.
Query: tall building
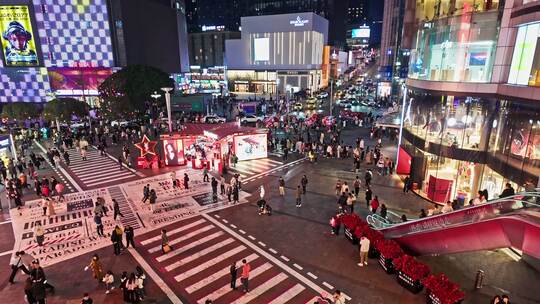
x=277, y=54
x=229, y=12
x=207, y=49
x=150, y=32
x=472, y=112
x=71, y=47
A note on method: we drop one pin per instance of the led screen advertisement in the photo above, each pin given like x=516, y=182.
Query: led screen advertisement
x=362, y=32
x=77, y=81
x=17, y=37
x=248, y=147
x=174, y=152
x=261, y=47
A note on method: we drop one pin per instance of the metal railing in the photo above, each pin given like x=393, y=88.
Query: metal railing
x=466, y=215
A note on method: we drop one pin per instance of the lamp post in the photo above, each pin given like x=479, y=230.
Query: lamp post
x=155, y=95
x=168, y=102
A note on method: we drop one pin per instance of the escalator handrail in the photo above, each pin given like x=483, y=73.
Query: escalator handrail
x=439, y=221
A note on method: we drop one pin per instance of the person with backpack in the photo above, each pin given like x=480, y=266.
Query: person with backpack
x=368, y=176
x=356, y=186
x=304, y=183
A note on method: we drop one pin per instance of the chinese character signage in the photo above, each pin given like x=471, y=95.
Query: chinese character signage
x=17, y=37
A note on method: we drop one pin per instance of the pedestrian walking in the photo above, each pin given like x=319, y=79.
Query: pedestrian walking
x=369, y=195
x=298, y=197
x=165, y=247
x=96, y=267
x=116, y=209
x=16, y=265
x=146, y=193
x=235, y=194
x=205, y=175
x=214, y=185
x=44, y=205
x=281, y=186
x=153, y=199
x=99, y=224
x=39, y=233
x=304, y=183
x=129, y=236
x=350, y=202
x=186, y=181
x=246, y=268
x=367, y=177
x=406, y=184
x=364, y=249
x=229, y=192
x=39, y=280
x=222, y=185
x=120, y=162
x=356, y=186
x=85, y=300
x=141, y=282
x=338, y=187
x=233, y=270
x=374, y=204
x=108, y=279
x=116, y=239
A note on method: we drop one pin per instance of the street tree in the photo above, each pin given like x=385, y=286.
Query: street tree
x=130, y=88
x=20, y=110
x=64, y=108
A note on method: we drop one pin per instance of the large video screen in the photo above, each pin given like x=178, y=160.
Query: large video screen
x=77, y=81
x=74, y=33
x=173, y=150
x=24, y=85
x=250, y=146
x=261, y=47
x=17, y=37
x=361, y=32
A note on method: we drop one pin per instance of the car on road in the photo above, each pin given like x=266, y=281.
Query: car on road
x=298, y=106
x=345, y=104
x=251, y=118
x=214, y=119
x=311, y=104
x=322, y=95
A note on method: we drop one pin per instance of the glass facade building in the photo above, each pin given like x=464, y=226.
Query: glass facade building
x=472, y=117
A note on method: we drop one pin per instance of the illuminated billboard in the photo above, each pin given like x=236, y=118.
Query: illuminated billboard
x=250, y=146
x=77, y=81
x=262, y=49
x=362, y=32
x=173, y=150
x=74, y=33
x=17, y=37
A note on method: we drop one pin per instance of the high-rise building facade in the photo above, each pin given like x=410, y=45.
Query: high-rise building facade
x=472, y=112
x=207, y=49
x=229, y=12
x=71, y=47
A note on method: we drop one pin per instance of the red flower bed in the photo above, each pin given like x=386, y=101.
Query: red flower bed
x=411, y=267
x=448, y=292
x=363, y=229
x=350, y=221
x=389, y=249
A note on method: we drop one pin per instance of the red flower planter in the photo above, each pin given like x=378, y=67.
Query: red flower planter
x=440, y=290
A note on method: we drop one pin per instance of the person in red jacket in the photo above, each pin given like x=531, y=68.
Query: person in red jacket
x=375, y=204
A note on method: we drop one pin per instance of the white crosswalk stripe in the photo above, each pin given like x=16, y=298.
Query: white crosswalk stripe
x=173, y=232
x=96, y=169
x=253, y=294
x=252, y=167
x=189, y=246
x=208, y=280
x=199, y=254
x=225, y=289
x=287, y=296
x=198, y=266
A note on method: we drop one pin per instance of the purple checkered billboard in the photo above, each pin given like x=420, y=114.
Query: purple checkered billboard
x=74, y=33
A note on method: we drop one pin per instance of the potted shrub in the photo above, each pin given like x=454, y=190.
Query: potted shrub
x=388, y=250
x=440, y=290
x=410, y=272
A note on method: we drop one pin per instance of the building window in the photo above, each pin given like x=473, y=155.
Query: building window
x=525, y=67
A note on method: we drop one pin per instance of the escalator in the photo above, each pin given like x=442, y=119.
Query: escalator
x=501, y=223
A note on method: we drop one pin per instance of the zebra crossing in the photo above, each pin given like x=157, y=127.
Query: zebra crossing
x=198, y=266
x=129, y=217
x=251, y=167
x=97, y=170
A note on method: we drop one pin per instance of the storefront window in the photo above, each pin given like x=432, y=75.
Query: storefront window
x=427, y=10
x=525, y=68
x=452, y=121
x=459, y=49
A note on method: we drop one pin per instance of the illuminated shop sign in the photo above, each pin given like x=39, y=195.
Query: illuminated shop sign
x=206, y=28
x=299, y=21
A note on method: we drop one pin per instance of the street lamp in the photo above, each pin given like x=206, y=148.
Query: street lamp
x=168, y=102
